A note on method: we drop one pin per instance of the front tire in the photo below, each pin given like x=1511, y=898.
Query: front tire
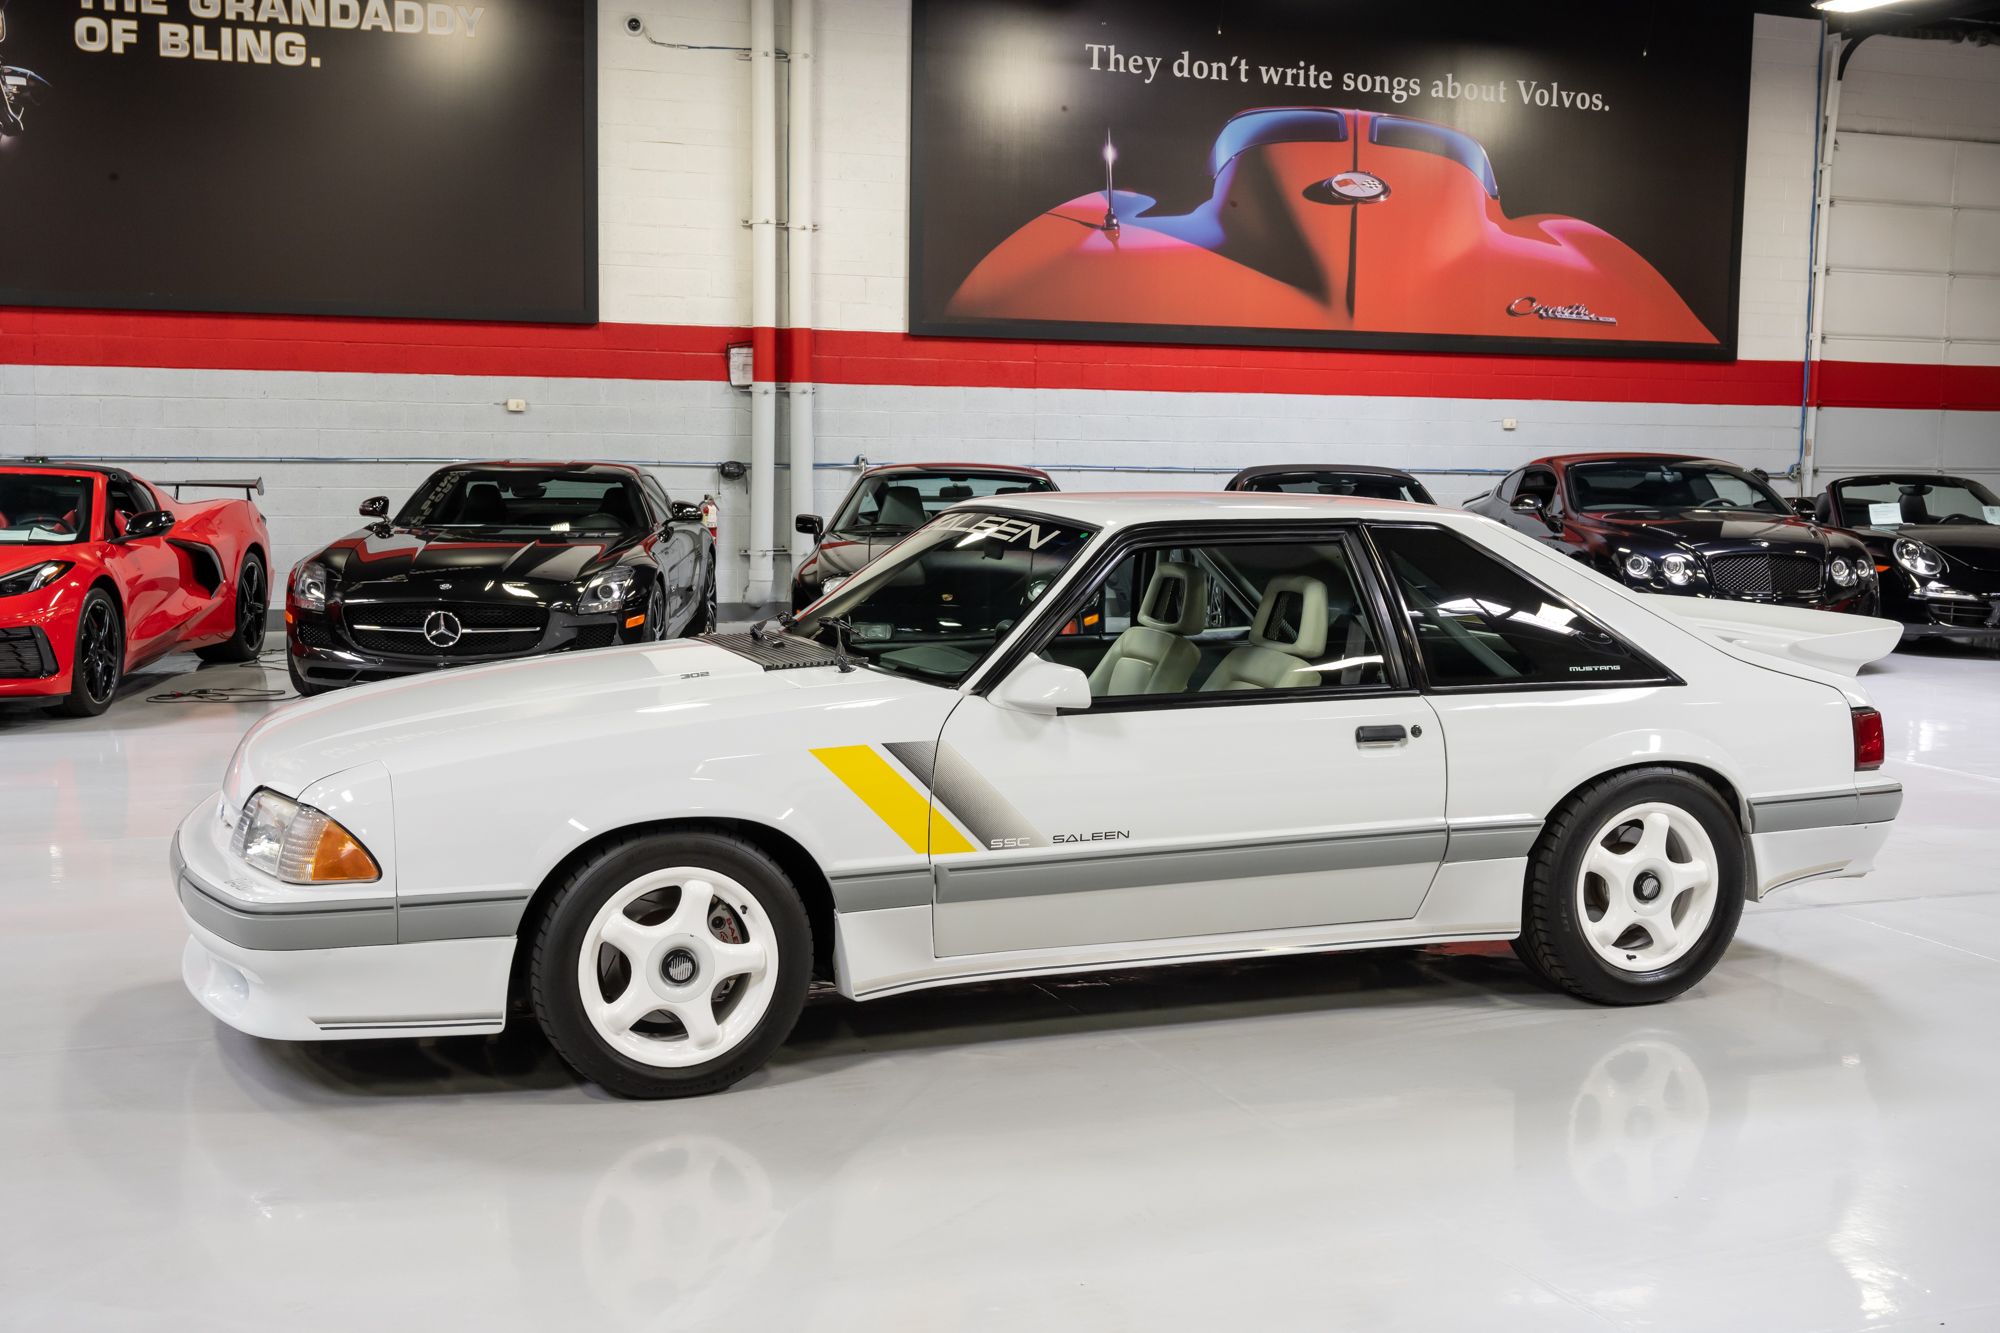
x=99, y=663
x=706, y=614
x=671, y=965
x=253, y=600
x=1635, y=888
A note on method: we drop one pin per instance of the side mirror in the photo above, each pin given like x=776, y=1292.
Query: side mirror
x=1804, y=506
x=1044, y=689
x=375, y=507
x=151, y=523
x=1527, y=504
x=812, y=525
x=680, y=511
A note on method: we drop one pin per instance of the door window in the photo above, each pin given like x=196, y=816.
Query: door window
x=125, y=500
x=1479, y=622
x=1194, y=619
x=1540, y=483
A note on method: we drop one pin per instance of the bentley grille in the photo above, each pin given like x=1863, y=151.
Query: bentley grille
x=1764, y=575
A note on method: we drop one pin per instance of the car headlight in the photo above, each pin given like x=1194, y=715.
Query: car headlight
x=298, y=844
x=310, y=582
x=1638, y=568
x=607, y=592
x=1678, y=569
x=34, y=577
x=1918, y=558
x=1845, y=574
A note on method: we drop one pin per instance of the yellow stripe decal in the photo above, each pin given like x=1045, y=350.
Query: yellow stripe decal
x=894, y=798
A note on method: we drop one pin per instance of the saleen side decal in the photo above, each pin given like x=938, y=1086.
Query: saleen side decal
x=895, y=800
x=974, y=802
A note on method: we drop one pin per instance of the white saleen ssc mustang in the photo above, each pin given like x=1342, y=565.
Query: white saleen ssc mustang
x=1044, y=734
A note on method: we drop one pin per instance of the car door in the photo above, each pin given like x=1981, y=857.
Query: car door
x=147, y=569
x=1253, y=760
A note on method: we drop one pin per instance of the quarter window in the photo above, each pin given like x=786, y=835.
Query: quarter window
x=1207, y=619
x=1480, y=622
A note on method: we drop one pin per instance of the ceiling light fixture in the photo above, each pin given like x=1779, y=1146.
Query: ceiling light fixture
x=1850, y=6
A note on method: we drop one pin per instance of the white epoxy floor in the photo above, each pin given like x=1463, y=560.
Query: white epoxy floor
x=1388, y=1141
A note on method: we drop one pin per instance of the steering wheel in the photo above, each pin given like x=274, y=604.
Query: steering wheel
x=50, y=522
x=1960, y=519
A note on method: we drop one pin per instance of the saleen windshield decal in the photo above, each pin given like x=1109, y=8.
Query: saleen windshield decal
x=999, y=528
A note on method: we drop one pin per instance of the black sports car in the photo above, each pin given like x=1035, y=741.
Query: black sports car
x=1370, y=483
x=1672, y=524
x=490, y=561
x=887, y=504
x=1936, y=543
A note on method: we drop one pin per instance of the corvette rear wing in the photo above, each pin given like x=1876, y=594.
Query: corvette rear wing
x=251, y=488
x=1829, y=640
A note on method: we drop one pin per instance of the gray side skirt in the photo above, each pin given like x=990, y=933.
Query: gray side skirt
x=1788, y=814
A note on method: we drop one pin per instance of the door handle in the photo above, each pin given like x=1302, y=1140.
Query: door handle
x=1386, y=735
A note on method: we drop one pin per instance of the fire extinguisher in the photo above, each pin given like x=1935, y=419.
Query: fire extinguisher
x=709, y=516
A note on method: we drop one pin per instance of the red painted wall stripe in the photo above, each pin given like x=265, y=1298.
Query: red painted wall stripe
x=698, y=352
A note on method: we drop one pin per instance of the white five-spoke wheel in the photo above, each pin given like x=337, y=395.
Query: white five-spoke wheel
x=678, y=967
x=670, y=964
x=1635, y=887
x=1648, y=886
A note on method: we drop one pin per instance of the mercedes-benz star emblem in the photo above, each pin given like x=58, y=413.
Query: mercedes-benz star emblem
x=442, y=630
x=1349, y=187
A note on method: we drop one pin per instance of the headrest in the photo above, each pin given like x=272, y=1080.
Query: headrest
x=1292, y=616
x=1176, y=599
x=902, y=507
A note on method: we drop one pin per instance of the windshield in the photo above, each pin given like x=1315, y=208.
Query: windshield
x=941, y=600
x=1891, y=502
x=1643, y=484
x=899, y=502
x=522, y=500
x=1364, y=485
x=43, y=508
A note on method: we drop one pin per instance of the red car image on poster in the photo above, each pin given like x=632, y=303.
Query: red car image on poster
x=1329, y=220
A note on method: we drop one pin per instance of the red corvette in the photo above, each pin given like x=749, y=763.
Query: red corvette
x=1331, y=220
x=101, y=572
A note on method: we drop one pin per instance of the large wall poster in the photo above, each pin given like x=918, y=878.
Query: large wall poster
x=1539, y=177
x=317, y=157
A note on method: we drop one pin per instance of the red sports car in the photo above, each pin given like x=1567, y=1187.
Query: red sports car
x=101, y=572
x=1331, y=220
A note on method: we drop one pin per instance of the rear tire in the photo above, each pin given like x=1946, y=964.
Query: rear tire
x=1635, y=888
x=253, y=600
x=670, y=965
x=99, y=661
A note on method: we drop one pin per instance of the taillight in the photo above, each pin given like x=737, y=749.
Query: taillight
x=1869, y=747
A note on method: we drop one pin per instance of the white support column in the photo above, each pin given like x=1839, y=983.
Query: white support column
x=799, y=269
x=763, y=296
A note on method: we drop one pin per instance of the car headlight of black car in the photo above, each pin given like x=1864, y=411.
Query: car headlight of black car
x=1918, y=558
x=310, y=582
x=1676, y=570
x=34, y=578
x=1846, y=572
x=607, y=592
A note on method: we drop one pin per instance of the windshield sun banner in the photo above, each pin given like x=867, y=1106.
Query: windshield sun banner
x=430, y=160
x=1553, y=178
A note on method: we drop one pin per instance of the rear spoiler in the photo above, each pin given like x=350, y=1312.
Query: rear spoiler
x=1829, y=640
x=251, y=488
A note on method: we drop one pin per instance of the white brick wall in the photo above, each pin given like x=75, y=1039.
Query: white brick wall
x=674, y=186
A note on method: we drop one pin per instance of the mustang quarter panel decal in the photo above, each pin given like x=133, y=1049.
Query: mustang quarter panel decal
x=894, y=799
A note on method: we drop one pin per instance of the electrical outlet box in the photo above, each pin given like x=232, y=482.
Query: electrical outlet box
x=517, y=404
x=1509, y=423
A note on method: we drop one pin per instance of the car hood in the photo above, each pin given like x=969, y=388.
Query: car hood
x=1976, y=545
x=572, y=704
x=1718, y=527
x=390, y=555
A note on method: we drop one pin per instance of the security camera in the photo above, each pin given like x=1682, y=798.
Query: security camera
x=635, y=25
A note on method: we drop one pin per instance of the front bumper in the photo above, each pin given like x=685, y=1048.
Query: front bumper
x=324, y=652
x=305, y=966
x=29, y=667
x=1973, y=617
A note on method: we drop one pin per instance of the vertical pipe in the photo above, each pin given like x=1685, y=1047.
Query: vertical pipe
x=1825, y=131
x=799, y=270
x=763, y=296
